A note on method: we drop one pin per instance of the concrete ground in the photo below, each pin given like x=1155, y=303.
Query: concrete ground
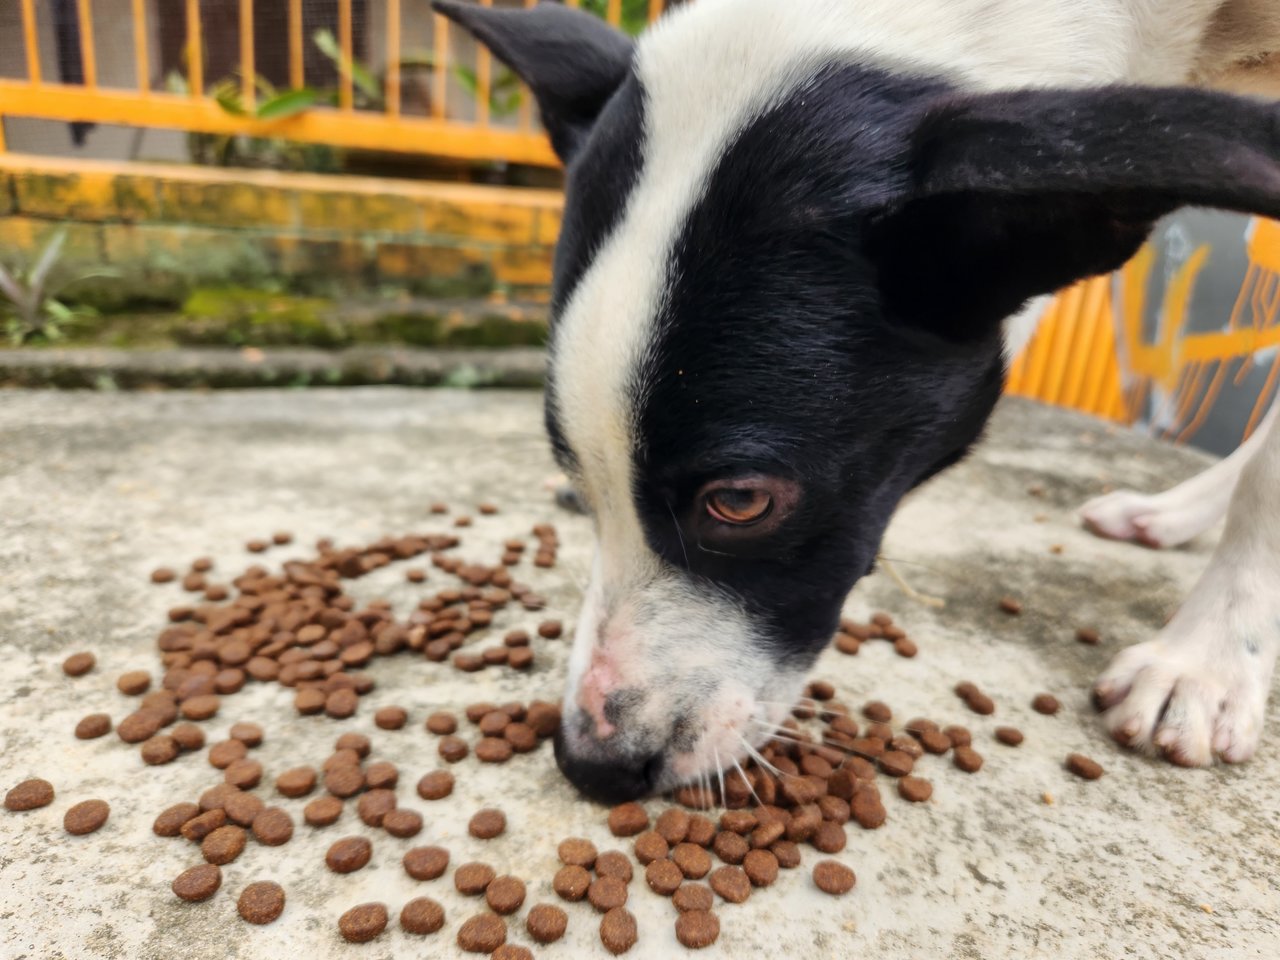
x=97, y=489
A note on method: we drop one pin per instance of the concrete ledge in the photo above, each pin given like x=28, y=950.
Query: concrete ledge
x=107, y=369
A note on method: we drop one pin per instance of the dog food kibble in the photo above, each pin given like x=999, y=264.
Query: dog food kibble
x=673, y=825
x=29, y=795
x=696, y=929
x=139, y=725
x=402, y=823
x=322, y=811
x=134, y=683
x=487, y=824
x=606, y=893
x=833, y=877
x=426, y=863
x=550, y=629
x=349, y=854
x=297, y=782
x=78, y=664
x=472, y=878
x=223, y=845
x=493, y=750
x=170, y=821
x=363, y=923
x=261, y=902
x=188, y=736
x=614, y=863
x=577, y=852
x=436, y=785
x=896, y=763
x=1045, y=703
x=729, y=847
x=618, y=930
x=1009, y=736
x=571, y=882
x=980, y=703
x=505, y=894
x=93, y=726
x=244, y=774
x=788, y=854
x=86, y=817
x=915, y=789
x=1083, y=767
x=197, y=828
x=201, y=707
x=731, y=883
x=442, y=723
x=484, y=933
x=867, y=807
x=694, y=861
x=452, y=749
x=650, y=846
x=1089, y=636
x=663, y=877
x=1011, y=605
x=391, y=718
x=344, y=781
x=511, y=951
x=421, y=915
x=374, y=805
x=877, y=712
x=694, y=896
x=546, y=922
x=627, y=819
x=273, y=827
x=967, y=759
x=761, y=867
x=227, y=752
x=828, y=838
x=241, y=808
x=250, y=734
x=198, y=883
x=959, y=736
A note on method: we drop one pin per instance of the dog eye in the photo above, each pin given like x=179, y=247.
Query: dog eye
x=739, y=506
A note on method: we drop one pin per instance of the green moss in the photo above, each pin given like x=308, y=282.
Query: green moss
x=497, y=331
x=238, y=316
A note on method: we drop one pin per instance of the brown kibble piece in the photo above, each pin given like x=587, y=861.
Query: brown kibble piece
x=673, y=825
x=349, y=854
x=959, y=736
x=273, y=827
x=577, y=852
x=915, y=789
x=224, y=844
x=544, y=717
x=93, y=726
x=896, y=763
x=546, y=922
x=550, y=629
x=484, y=933
x=363, y=923
x=663, y=877
x=227, y=752
x=761, y=867
x=833, y=877
x=1083, y=767
x=521, y=737
x=442, y=723
x=730, y=847
x=696, y=896
x=697, y=929
x=139, y=725
x=344, y=781
x=627, y=819
x=731, y=883
x=472, y=878
x=170, y=821
x=1089, y=636
x=967, y=759
x=452, y=749
x=487, y=824
x=356, y=742
x=571, y=882
x=493, y=750
x=694, y=861
x=134, y=683
x=374, y=805
x=436, y=785
x=421, y=915
x=86, y=817
x=163, y=575
x=391, y=718
x=78, y=664
x=261, y=902
x=402, y=823
x=241, y=808
x=867, y=808
x=877, y=712
x=250, y=734
x=1009, y=736
x=201, y=707
x=244, y=774
x=618, y=930
x=341, y=704
x=197, y=828
x=605, y=893
x=788, y=854
x=297, y=782
x=198, y=883
x=1011, y=605
x=828, y=838
x=1045, y=703
x=322, y=811
x=426, y=863
x=980, y=703
x=650, y=847
x=29, y=795
x=505, y=894
x=614, y=863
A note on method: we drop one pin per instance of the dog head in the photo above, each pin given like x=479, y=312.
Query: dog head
x=777, y=308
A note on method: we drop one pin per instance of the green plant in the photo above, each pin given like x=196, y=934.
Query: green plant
x=505, y=94
x=635, y=13
x=33, y=295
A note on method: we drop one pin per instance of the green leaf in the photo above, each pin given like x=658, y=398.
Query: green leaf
x=363, y=79
x=226, y=93
x=288, y=104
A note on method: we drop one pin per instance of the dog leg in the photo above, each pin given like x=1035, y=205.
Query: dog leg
x=1177, y=515
x=1200, y=687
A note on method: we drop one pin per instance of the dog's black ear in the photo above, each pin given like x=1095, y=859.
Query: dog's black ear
x=1016, y=194
x=572, y=61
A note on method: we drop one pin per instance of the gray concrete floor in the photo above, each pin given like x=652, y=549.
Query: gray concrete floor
x=97, y=489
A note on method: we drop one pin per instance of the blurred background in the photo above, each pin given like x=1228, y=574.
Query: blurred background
x=256, y=179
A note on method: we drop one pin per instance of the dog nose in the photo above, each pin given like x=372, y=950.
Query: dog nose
x=611, y=781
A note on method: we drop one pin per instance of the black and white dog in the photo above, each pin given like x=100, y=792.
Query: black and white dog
x=793, y=232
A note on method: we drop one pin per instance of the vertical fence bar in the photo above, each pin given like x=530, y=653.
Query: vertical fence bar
x=195, y=50
x=141, y=59
x=655, y=9
x=248, y=69
x=572, y=3
x=484, y=78
x=297, y=75
x=3, y=146
x=346, y=97
x=393, y=58
x=1083, y=344
x=440, y=79
x=84, y=14
x=29, y=41
x=613, y=12
x=526, y=95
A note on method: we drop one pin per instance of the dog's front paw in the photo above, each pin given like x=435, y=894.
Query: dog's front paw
x=1198, y=690
x=1140, y=518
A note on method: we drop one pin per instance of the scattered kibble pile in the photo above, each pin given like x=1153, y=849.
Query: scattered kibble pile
x=296, y=627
